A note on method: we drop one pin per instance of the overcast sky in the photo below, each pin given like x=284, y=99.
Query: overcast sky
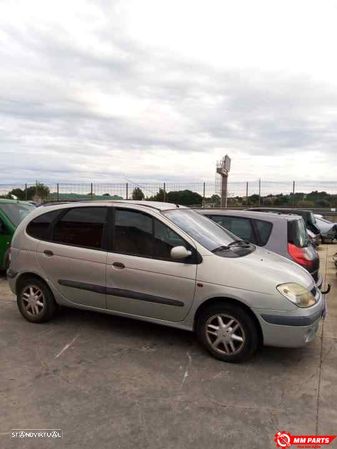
x=159, y=90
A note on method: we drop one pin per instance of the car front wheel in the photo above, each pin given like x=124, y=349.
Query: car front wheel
x=228, y=332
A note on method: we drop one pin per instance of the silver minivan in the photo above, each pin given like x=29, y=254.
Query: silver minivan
x=165, y=264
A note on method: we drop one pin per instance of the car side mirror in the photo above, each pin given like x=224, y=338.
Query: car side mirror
x=180, y=252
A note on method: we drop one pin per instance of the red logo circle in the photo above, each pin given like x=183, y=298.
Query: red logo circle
x=282, y=439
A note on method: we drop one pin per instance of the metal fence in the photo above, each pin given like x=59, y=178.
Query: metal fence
x=259, y=192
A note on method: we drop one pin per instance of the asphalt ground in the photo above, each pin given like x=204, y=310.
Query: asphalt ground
x=111, y=382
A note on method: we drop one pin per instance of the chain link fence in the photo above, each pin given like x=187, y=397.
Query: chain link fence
x=253, y=193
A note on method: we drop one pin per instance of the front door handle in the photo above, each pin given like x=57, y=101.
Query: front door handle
x=48, y=253
x=118, y=265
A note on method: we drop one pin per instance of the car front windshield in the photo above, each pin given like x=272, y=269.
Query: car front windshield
x=202, y=229
x=16, y=212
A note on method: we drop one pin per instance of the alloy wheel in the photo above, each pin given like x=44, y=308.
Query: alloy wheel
x=225, y=334
x=33, y=300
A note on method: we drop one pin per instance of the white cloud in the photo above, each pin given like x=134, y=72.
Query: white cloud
x=155, y=90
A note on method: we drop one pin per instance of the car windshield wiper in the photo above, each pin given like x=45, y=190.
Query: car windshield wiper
x=239, y=242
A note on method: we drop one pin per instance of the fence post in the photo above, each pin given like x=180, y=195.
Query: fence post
x=91, y=190
x=247, y=193
x=26, y=192
x=260, y=192
x=127, y=191
x=294, y=189
x=164, y=188
x=203, y=193
x=58, y=192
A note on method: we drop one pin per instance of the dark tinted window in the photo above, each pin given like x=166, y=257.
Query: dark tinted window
x=297, y=233
x=142, y=235
x=82, y=226
x=164, y=240
x=263, y=229
x=241, y=227
x=40, y=227
x=133, y=233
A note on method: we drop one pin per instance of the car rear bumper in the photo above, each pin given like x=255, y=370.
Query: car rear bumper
x=292, y=330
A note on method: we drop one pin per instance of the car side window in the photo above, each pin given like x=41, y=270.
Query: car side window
x=81, y=226
x=139, y=234
x=164, y=240
x=264, y=230
x=133, y=233
x=241, y=227
x=40, y=227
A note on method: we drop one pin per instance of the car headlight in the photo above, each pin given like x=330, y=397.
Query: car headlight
x=297, y=294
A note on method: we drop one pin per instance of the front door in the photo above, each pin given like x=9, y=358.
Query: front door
x=142, y=278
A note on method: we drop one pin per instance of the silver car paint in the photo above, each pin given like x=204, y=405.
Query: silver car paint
x=252, y=280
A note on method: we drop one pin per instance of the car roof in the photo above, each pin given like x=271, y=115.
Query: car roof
x=160, y=206
x=11, y=201
x=251, y=214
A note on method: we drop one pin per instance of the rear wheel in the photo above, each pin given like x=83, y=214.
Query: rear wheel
x=35, y=300
x=228, y=332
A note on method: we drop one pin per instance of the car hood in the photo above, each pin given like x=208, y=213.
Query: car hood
x=261, y=271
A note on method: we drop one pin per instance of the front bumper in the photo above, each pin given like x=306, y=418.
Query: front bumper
x=291, y=330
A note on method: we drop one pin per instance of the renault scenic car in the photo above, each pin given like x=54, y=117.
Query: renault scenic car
x=164, y=264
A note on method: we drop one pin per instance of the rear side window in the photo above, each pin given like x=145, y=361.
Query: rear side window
x=242, y=227
x=297, y=233
x=40, y=227
x=82, y=226
x=263, y=229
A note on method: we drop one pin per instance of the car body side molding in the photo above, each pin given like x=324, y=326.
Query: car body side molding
x=120, y=292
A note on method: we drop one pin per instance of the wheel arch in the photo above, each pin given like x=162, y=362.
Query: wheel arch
x=29, y=275
x=228, y=300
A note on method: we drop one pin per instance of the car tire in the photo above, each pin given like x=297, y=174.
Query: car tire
x=228, y=332
x=35, y=300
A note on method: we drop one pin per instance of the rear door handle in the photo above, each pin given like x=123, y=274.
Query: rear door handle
x=48, y=253
x=118, y=265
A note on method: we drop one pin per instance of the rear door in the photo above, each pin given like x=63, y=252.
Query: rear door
x=142, y=278
x=74, y=257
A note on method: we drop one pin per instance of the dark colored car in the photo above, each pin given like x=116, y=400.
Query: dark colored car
x=307, y=215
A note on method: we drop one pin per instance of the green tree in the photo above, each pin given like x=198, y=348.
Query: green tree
x=137, y=194
x=19, y=193
x=159, y=196
x=185, y=198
